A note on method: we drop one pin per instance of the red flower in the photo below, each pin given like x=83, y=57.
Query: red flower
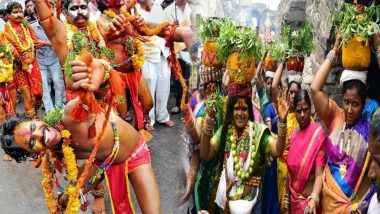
x=243, y=156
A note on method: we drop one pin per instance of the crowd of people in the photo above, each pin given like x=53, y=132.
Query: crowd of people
x=254, y=143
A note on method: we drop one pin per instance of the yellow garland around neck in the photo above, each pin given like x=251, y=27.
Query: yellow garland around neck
x=73, y=205
x=91, y=32
x=19, y=44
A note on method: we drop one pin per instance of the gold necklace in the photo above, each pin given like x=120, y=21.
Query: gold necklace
x=343, y=166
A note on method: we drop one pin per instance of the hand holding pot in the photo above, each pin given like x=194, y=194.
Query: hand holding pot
x=336, y=47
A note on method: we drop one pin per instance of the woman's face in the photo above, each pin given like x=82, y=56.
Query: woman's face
x=302, y=112
x=293, y=88
x=241, y=114
x=352, y=106
x=36, y=136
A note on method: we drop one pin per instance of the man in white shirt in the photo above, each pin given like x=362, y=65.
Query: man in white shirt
x=180, y=11
x=374, y=170
x=156, y=71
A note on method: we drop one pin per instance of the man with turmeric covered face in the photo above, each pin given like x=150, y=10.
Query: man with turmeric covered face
x=26, y=76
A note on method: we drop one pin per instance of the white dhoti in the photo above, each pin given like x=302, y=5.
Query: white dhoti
x=157, y=77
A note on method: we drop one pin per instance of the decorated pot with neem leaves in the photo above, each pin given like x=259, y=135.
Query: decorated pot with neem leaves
x=270, y=64
x=356, y=54
x=241, y=69
x=209, y=54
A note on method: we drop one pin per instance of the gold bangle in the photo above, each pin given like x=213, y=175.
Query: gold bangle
x=331, y=56
x=98, y=193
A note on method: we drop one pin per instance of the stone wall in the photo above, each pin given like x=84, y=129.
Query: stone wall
x=295, y=13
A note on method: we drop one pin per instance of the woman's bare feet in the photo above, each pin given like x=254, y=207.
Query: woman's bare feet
x=99, y=206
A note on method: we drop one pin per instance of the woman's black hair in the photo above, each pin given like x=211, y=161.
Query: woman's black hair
x=301, y=95
x=8, y=142
x=228, y=119
x=12, y=5
x=294, y=82
x=360, y=87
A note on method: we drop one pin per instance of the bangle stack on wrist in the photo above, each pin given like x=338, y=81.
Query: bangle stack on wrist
x=315, y=197
x=331, y=56
x=282, y=129
x=208, y=126
x=378, y=55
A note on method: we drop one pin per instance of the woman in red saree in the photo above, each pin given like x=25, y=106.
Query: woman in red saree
x=306, y=158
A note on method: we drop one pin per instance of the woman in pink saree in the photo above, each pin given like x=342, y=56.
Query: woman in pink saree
x=306, y=159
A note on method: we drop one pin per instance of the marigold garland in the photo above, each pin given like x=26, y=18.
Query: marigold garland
x=17, y=42
x=14, y=39
x=138, y=58
x=70, y=161
x=143, y=29
x=47, y=184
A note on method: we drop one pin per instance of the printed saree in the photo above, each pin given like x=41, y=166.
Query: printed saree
x=339, y=193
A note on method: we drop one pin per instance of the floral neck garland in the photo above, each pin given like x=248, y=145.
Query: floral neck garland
x=240, y=148
x=50, y=164
x=17, y=41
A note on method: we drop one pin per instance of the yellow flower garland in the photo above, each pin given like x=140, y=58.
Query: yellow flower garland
x=47, y=184
x=73, y=205
x=92, y=31
x=139, y=58
x=19, y=44
x=6, y=71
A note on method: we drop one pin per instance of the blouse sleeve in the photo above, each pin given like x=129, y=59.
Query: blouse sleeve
x=266, y=142
x=215, y=140
x=320, y=160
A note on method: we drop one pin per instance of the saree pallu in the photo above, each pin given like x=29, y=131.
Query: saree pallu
x=305, y=153
x=355, y=161
x=334, y=201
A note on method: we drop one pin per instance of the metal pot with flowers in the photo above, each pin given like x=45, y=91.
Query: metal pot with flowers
x=208, y=31
x=357, y=25
x=239, y=47
x=298, y=43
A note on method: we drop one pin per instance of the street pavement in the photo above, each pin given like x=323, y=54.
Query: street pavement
x=21, y=191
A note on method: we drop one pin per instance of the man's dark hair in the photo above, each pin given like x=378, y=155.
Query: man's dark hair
x=27, y=1
x=374, y=128
x=13, y=5
x=3, y=12
x=8, y=142
x=66, y=3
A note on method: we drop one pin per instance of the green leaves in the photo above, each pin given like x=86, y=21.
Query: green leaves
x=53, y=117
x=300, y=41
x=276, y=50
x=237, y=39
x=209, y=28
x=356, y=20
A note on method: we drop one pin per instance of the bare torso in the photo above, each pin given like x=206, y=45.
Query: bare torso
x=83, y=146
